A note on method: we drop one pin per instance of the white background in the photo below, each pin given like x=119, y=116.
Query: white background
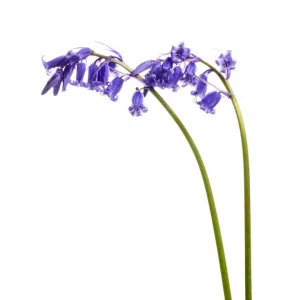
x=95, y=204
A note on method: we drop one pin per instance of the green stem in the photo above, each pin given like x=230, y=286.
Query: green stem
x=210, y=197
x=247, y=203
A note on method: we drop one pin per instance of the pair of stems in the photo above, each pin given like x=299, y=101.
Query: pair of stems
x=209, y=193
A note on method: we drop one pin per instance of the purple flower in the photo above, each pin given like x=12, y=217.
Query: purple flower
x=56, y=62
x=137, y=106
x=189, y=74
x=201, y=86
x=80, y=71
x=167, y=64
x=71, y=58
x=209, y=102
x=180, y=53
x=103, y=73
x=54, y=82
x=114, y=88
x=226, y=63
x=175, y=77
x=67, y=73
x=93, y=83
x=84, y=53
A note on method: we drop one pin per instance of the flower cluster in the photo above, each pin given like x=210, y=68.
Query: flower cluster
x=177, y=68
x=97, y=78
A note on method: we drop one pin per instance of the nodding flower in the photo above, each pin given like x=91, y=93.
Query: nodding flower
x=189, y=76
x=201, y=86
x=209, y=102
x=137, y=106
x=80, y=71
x=113, y=88
x=54, y=82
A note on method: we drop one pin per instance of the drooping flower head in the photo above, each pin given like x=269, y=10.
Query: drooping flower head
x=71, y=58
x=66, y=64
x=226, y=63
x=137, y=106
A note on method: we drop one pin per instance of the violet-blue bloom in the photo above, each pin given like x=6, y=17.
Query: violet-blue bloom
x=84, y=53
x=71, y=58
x=226, y=63
x=80, y=71
x=56, y=62
x=175, y=77
x=167, y=64
x=54, y=82
x=103, y=73
x=92, y=82
x=189, y=74
x=67, y=73
x=180, y=53
x=152, y=78
x=137, y=106
x=114, y=88
x=209, y=102
x=201, y=86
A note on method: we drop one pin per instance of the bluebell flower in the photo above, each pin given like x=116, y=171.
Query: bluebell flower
x=103, y=73
x=71, y=58
x=180, y=53
x=167, y=64
x=113, y=88
x=56, y=62
x=189, y=76
x=67, y=73
x=84, y=53
x=226, y=63
x=137, y=106
x=201, y=86
x=80, y=71
x=92, y=82
x=209, y=102
x=152, y=78
x=54, y=82
x=175, y=77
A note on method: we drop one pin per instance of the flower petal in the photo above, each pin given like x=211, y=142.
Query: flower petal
x=142, y=67
x=53, y=81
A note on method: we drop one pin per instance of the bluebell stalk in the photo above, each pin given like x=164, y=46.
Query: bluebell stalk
x=177, y=69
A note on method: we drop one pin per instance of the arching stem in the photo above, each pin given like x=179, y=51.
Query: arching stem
x=247, y=203
x=211, y=202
